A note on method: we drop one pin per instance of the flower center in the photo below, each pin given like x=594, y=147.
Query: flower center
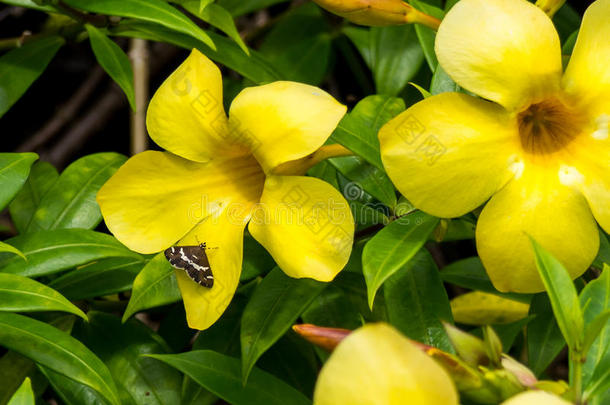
x=548, y=126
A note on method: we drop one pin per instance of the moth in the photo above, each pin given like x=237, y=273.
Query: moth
x=194, y=261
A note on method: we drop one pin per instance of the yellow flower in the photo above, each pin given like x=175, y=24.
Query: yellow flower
x=376, y=365
x=221, y=173
x=539, y=149
x=535, y=398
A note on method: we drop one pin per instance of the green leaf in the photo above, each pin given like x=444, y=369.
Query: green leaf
x=562, y=295
x=156, y=285
x=392, y=53
x=14, y=169
x=595, y=301
x=155, y=11
x=29, y=4
x=8, y=248
x=221, y=375
x=358, y=130
x=97, y=279
x=256, y=259
x=441, y=82
x=216, y=16
x=593, y=329
x=14, y=368
x=417, y=302
x=544, y=339
x=70, y=202
x=392, y=247
x=253, y=67
x=20, y=67
x=603, y=256
x=299, y=45
x=42, y=177
x=21, y=294
x=276, y=303
x=114, y=61
x=24, y=395
x=121, y=346
x=49, y=252
x=427, y=35
x=366, y=177
x=70, y=391
x=58, y=351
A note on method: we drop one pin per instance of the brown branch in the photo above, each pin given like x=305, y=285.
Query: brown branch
x=65, y=113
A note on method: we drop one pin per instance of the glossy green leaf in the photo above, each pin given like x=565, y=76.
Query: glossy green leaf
x=29, y=4
x=544, y=339
x=392, y=53
x=156, y=285
x=299, y=45
x=221, y=375
x=4, y=247
x=21, y=294
x=366, y=177
x=97, y=279
x=14, y=368
x=24, y=395
x=442, y=83
x=470, y=273
x=14, y=170
x=275, y=305
x=417, y=302
x=562, y=295
x=427, y=35
x=20, y=67
x=42, y=177
x=256, y=259
x=111, y=57
x=58, y=351
x=216, y=16
x=155, y=11
x=70, y=391
x=52, y=251
x=595, y=300
x=392, y=247
x=121, y=346
x=70, y=202
x=358, y=130
x=253, y=67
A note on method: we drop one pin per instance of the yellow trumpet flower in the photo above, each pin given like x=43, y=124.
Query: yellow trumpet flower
x=535, y=144
x=221, y=173
x=377, y=365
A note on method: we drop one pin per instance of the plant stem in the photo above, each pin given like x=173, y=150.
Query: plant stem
x=138, y=54
x=576, y=362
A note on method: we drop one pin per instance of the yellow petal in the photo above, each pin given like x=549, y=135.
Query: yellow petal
x=305, y=224
x=535, y=398
x=223, y=235
x=480, y=308
x=376, y=365
x=284, y=121
x=155, y=198
x=449, y=153
x=588, y=72
x=503, y=50
x=186, y=115
x=555, y=215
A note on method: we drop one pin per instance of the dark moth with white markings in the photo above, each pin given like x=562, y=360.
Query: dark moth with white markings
x=194, y=261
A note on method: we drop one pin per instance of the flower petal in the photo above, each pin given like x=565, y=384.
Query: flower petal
x=186, y=115
x=587, y=74
x=155, y=198
x=284, y=121
x=449, y=153
x=507, y=51
x=305, y=224
x=223, y=235
x=539, y=205
x=535, y=398
x=377, y=365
